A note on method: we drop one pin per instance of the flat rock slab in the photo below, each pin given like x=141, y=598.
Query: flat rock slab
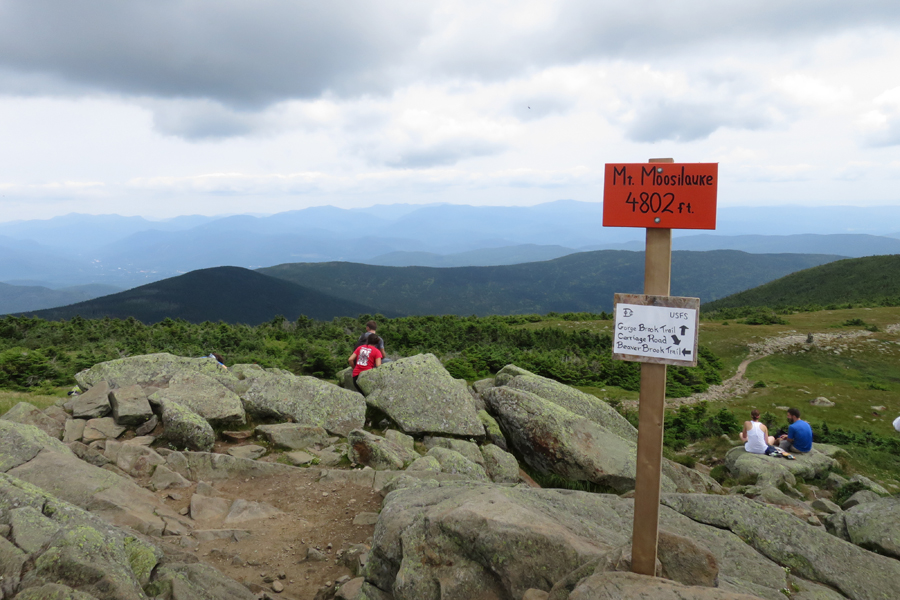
x=104, y=428
x=876, y=526
x=203, y=395
x=303, y=400
x=365, y=518
x=631, y=586
x=211, y=466
x=246, y=510
x=299, y=458
x=207, y=508
x=249, y=451
x=420, y=396
x=293, y=436
x=207, y=535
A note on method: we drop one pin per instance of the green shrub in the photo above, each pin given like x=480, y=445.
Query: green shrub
x=685, y=459
x=719, y=473
x=764, y=317
x=843, y=493
x=760, y=384
x=693, y=422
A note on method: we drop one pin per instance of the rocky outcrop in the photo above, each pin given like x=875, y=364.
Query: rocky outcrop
x=770, y=471
x=183, y=428
x=27, y=414
x=72, y=554
x=303, y=400
x=551, y=439
x=377, y=452
x=810, y=552
x=456, y=464
x=293, y=436
x=421, y=397
x=631, y=586
x=501, y=467
x=151, y=370
x=573, y=400
x=465, y=540
x=875, y=526
x=203, y=395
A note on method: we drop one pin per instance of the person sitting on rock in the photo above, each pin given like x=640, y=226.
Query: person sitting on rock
x=218, y=358
x=799, y=437
x=756, y=435
x=371, y=326
x=366, y=357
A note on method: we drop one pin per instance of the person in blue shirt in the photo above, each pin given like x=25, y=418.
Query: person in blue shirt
x=799, y=437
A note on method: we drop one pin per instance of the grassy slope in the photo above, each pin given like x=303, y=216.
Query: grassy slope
x=868, y=279
x=585, y=281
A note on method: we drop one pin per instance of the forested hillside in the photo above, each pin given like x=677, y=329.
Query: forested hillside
x=578, y=282
x=868, y=280
x=228, y=294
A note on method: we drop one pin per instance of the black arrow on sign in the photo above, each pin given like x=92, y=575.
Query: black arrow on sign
x=684, y=328
x=675, y=339
x=685, y=352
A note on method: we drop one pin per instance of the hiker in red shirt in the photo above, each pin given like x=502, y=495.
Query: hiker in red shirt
x=365, y=357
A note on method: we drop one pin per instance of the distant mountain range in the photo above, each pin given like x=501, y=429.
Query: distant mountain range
x=129, y=251
x=869, y=279
x=578, y=282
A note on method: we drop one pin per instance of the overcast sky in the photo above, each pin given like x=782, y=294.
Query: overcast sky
x=168, y=107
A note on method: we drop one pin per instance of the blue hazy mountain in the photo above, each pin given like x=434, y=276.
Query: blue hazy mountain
x=130, y=251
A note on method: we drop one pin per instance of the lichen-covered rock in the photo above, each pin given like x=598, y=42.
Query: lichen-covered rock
x=483, y=384
x=551, y=439
x=810, y=552
x=376, y=452
x=28, y=414
x=20, y=443
x=249, y=451
x=53, y=591
x=104, y=428
x=12, y=559
x=401, y=439
x=151, y=370
x=30, y=530
x=875, y=526
x=461, y=540
x=501, y=467
x=420, y=396
x=506, y=374
x=73, y=430
x=619, y=585
x=771, y=471
x=184, y=428
x=860, y=497
x=427, y=464
x=293, y=436
x=455, y=463
x=83, y=552
x=468, y=449
x=303, y=400
x=212, y=466
x=492, y=429
x=204, y=396
x=93, y=403
x=575, y=401
x=137, y=461
x=130, y=406
x=196, y=581
x=871, y=485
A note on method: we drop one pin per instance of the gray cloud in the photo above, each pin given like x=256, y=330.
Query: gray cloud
x=443, y=153
x=688, y=121
x=239, y=53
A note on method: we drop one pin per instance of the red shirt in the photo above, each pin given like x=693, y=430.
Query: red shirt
x=365, y=358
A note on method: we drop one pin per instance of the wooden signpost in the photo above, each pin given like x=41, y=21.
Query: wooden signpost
x=655, y=329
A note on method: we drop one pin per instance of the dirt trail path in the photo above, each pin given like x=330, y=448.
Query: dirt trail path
x=739, y=385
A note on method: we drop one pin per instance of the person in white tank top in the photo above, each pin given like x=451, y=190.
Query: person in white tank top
x=756, y=435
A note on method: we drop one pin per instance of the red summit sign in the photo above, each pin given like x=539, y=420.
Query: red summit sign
x=661, y=195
